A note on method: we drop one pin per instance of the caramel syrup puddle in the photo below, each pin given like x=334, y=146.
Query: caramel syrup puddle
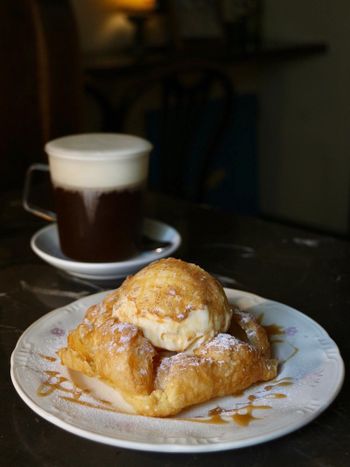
x=214, y=419
x=277, y=330
x=274, y=395
x=243, y=419
x=215, y=416
x=273, y=330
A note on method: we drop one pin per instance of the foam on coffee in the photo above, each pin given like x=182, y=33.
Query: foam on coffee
x=111, y=161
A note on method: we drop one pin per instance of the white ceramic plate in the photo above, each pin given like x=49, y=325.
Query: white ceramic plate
x=310, y=376
x=45, y=243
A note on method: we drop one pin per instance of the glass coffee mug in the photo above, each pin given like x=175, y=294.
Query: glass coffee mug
x=98, y=182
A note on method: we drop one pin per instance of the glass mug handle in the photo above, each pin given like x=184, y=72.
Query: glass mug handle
x=30, y=207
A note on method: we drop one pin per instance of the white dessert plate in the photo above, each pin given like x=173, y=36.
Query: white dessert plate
x=45, y=243
x=310, y=376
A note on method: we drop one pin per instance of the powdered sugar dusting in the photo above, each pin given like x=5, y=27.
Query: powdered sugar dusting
x=244, y=317
x=224, y=342
x=124, y=328
x=180, y=360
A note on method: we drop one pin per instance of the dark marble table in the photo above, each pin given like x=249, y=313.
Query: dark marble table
x=306, y=271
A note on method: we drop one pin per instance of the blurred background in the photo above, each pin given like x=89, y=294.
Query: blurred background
x=246, y=101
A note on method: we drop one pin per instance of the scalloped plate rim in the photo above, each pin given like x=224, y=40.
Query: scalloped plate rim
x=173, y=447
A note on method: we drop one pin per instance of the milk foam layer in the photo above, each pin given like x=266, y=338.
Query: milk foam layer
x=98, y=161
x=101, y=175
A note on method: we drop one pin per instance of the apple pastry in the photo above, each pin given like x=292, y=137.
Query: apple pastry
x=167, y=339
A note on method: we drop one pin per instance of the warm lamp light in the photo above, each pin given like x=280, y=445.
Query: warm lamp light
x=135, y=6
x=138, y=13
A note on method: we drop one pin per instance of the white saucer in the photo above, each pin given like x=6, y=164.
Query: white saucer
x=45, y=243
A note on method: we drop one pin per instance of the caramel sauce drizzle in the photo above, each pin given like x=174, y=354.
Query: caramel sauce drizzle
x=56, y=382
x=276, y=330
x=215, y=416
x=243, y=419
x=273, y=330
x=274, y=395
x=47, y=357
x=278, y=383
x=292, y=354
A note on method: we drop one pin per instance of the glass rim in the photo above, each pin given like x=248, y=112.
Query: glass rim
x=98, y=147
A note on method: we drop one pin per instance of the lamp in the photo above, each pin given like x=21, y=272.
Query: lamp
x=137, y=12
x=135, y=6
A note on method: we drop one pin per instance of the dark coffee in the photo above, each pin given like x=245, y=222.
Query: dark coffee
x=99, y=226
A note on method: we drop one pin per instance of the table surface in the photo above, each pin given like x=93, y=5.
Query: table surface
x=307, y=271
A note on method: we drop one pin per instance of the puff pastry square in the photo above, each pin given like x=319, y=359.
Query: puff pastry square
x=221, y=351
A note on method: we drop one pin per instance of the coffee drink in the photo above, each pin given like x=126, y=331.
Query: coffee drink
x=108, y=220
x=98, y=182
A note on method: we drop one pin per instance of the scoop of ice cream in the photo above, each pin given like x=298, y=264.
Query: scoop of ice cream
x=177, y=305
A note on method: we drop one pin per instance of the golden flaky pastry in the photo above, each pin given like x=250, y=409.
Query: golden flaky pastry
x=177, y=306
